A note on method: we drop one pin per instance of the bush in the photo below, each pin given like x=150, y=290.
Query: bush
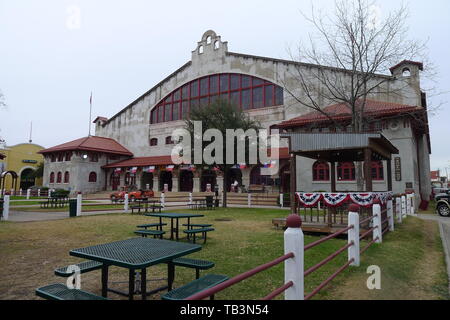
x=60, y=193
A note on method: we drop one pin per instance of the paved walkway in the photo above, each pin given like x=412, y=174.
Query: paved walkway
x=444, y=228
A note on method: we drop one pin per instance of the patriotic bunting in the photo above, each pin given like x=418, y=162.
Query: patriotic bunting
x=337, y=199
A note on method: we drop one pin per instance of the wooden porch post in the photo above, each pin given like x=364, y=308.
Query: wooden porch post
x=389, y=174
x=293, y=176
x=333, y=176
x=368, y=169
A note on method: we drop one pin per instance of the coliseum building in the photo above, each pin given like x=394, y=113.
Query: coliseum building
x=133, y=147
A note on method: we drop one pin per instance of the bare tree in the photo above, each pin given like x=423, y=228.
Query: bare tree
x=346, y=60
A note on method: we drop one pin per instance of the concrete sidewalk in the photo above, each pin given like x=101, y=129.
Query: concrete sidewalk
x=444, y=229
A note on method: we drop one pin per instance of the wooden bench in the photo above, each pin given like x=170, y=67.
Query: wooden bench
x=154, y=233
x=156, y=206
x=193, y=232
x=85, y=266
x=194, y=264
x=59, y=291
x=137, y=207
x=198, y=285
x=152, y=225
x=256, y=188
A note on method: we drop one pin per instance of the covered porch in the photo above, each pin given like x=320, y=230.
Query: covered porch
x=324, y=212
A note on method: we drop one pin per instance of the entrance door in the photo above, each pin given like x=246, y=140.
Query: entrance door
x=114, y=181
x=26, y=179
x=147, y=179
x=285, y=179
x=165, y=177
x=208, y=177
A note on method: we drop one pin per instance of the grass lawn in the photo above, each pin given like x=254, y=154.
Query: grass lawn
x=31, y=251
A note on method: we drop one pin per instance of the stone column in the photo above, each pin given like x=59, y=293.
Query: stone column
x=155, y=180
x=175, y=180
x=246, y=177
x=196, y=179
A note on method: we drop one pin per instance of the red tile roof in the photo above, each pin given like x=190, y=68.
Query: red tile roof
x=167, y=160
x=91, y=143
x=141, y=162
x=339, y=112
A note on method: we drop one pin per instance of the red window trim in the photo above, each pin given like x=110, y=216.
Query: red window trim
x=379, y=171
x=318, y=168
x=66, y=177
x=169, y=99
x=52, y=177
x=59, y=177
x=346, y=167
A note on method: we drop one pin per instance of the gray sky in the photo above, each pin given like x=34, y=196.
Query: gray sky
x=49, y=64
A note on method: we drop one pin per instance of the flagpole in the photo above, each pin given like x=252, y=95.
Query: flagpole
x=90, y=114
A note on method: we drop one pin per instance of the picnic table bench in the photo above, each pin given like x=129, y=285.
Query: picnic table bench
x=59, y=291
x=193, y=232
x=54, y=202
x=145, y=204
x=198, y=285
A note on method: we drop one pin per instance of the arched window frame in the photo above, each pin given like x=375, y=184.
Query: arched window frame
x=66, y=177
x=321, y=171
x=153, y=142
x=52, y=177
x=93, y=176
x=59, y=177
x=248, y=92
x=346, y=171
x=377, y=171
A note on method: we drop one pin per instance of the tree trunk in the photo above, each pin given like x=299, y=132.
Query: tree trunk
x=225, y=183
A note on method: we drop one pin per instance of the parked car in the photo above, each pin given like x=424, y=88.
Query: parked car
x=443, y=203
x=132, y=195
x=438, y=190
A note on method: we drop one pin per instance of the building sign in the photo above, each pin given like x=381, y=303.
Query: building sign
x=29, y=161
x=409, y=185
x=398, y=169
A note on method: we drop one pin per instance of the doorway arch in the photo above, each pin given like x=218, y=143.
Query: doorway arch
x=165, y=177
x=3, y=177
x=186, y=181
x=147, y=179
x=234, y=174
x=208, y=177
x=27, y=178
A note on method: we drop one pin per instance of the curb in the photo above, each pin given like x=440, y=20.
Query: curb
x=446, y=251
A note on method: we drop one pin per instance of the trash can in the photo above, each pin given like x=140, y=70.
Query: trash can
x=72, y=207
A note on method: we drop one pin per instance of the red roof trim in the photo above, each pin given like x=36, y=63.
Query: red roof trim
x=91, y=143
x=340, y=112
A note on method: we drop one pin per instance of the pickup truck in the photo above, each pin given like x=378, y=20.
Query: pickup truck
x=443, y=203
x=132, y=195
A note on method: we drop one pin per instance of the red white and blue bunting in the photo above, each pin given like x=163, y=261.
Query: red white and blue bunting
x=337, y=199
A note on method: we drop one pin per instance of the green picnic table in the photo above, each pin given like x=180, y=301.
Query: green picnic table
x=173, y=216
x=136, y=254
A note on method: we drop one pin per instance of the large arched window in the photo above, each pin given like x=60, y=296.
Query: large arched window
x=52, y=177
x=92, y=177
x=321, y=171
x=66, y=177
x=59, y=177
x=245, y=91
x=346, y=171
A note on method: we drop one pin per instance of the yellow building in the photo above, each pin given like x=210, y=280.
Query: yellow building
x=22, y=159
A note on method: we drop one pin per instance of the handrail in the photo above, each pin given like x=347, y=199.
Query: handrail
x=209, y=292
x=365, y=220
x=278, y=291
x=328, y=259
x=367, y=233
x=370, y=243
x=331, y=236
x=334, y=275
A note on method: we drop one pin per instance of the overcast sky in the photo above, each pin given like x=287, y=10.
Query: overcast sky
x=50, y=61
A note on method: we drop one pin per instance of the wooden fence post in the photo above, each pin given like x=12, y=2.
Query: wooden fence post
x=403, y=206
x=390, y=212
x=6, y=207
x=353, y=235
x=398, y=209
x=125, y=203
x=79, y=202
x=294, y=267
x=378, y=231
